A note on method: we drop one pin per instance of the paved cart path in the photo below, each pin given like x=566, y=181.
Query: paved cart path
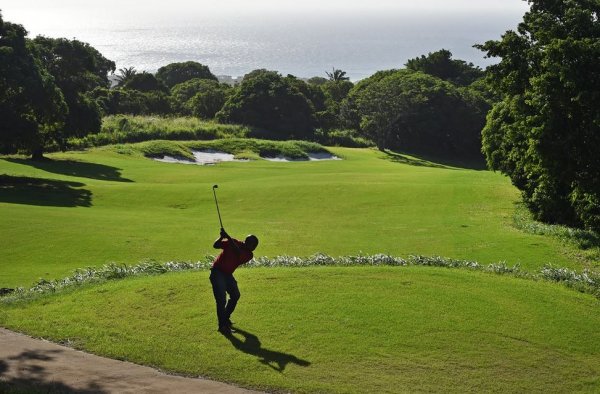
x=28, y=363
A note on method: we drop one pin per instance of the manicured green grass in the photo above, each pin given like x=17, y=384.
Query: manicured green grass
x=316, y=329
x=339, y=330
x=90, y=208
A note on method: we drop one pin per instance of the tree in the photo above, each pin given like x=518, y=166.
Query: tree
x=418, y=113
x=200, y=97
x=337, y=75
x=32, y=107
x=125, y=74
x=440, y=64
x=545, y=132
x=130, y=101
x=120, y=101
x=266, y=100
x=145, y=82
x=313, y=93
x=77, y=68
x=317, y=80
x=335, y=92
x=176, y=73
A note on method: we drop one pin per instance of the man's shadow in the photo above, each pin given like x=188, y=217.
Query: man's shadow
x=251, y=345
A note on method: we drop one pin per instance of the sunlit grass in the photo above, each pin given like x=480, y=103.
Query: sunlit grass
x=109, y=205
x=339, y=329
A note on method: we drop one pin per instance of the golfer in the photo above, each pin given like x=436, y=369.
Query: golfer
x=234, y=254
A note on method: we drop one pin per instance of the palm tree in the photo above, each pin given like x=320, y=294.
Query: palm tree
x=125, y=74
x=337, y=75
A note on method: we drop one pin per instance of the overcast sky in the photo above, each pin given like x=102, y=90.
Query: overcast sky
x=25, y=10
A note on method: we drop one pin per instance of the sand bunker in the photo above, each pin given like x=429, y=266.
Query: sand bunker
x=211, y=157
x=311, y=157
x=208, y=157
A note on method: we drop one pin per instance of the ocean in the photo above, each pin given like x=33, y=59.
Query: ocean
x=304, y=44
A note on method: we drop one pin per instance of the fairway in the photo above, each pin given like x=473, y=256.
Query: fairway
x=310, y=329
x=339, y=330
x=91, y=208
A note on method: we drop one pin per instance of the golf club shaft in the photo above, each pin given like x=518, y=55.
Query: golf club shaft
x=217, y=204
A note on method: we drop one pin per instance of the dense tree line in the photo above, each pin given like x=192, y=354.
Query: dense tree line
x=43, y=86
x=544, y=132
x=416, y=112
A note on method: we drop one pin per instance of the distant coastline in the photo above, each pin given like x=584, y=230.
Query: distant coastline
x=303, y=47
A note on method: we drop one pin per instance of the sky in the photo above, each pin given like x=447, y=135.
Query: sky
x=22, y=11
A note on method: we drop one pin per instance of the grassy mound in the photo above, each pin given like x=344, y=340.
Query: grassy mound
x=339, y=329
x=242, y=148
x=586, y=281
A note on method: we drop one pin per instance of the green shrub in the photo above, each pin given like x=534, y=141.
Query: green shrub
x=585, y=281
x=346, y=138
x=165, y=148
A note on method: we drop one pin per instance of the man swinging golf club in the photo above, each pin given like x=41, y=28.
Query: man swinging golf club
x=234, y=254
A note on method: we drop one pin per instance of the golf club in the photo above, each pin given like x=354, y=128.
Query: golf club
x=217, y=203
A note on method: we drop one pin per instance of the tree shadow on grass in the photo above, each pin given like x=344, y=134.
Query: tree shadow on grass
x=274, y=359
x=43, y=192
x=435, y=162
x=26, y=373
x=74, y=168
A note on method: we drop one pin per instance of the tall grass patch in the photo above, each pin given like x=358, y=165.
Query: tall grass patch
x=128, y=128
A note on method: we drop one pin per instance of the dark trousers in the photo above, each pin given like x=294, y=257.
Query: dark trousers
x=222, y=285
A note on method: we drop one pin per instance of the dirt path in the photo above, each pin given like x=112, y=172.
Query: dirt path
x=27, y=363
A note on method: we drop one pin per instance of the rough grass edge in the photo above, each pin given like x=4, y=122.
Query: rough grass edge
x=586, y=281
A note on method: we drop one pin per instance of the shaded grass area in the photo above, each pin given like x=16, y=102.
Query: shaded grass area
x=73, y=168
x=338, y=329
x=43, y=192
x=586, y=240
x=412, y=159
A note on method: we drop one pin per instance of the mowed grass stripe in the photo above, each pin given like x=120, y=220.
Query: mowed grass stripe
x=352, y=329
x=141, y=209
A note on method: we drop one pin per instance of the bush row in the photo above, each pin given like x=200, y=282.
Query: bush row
x=123, y=129
x=586, y=281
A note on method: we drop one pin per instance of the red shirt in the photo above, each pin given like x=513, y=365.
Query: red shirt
x=230, y=258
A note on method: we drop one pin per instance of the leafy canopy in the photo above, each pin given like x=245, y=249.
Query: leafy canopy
x=32, y=107
x=200, y=97
x=77, y=68
x=415, y=112
x=545, y=132
x=268, y=101
x=176, y=73
x=440, y=64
